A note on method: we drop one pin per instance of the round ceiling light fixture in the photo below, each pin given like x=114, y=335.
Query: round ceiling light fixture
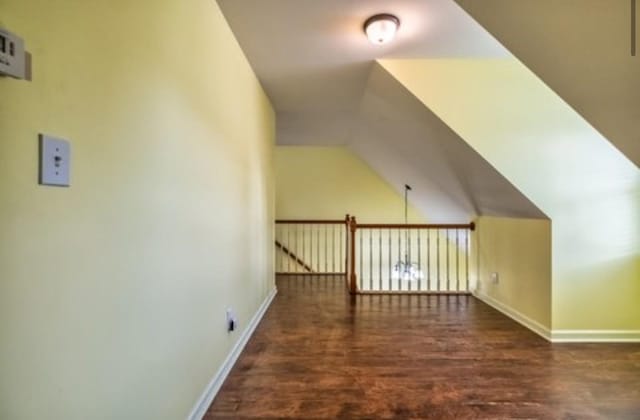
x=382, y=28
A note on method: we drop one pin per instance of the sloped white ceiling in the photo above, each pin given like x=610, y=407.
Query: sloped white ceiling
x=319, y=71
x=313, y=59
x=450, y=180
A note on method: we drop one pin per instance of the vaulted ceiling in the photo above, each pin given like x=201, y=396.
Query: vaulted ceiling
x=321, y=75
x=314, y=61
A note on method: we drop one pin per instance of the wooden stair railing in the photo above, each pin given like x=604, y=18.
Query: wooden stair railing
x=404, y=231
x=380, y=257
x=293, y=256
x=312, y=246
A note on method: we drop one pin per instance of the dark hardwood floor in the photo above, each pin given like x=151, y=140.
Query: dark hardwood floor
x=317, y=355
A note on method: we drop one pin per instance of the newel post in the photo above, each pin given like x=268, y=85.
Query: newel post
x=353, y=225
x=347, y=222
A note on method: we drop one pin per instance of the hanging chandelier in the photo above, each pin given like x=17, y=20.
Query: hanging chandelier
x=404, y=269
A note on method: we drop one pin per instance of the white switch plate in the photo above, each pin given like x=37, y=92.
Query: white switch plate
x=55, y=161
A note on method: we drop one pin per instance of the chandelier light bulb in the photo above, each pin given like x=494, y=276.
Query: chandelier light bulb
x=382, y=28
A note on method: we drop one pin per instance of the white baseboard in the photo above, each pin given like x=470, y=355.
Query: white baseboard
x=595, y=336
x=562, y=336
x=517, y=316
x=205, y=400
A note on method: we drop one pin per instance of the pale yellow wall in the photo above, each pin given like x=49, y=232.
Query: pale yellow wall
x=519, y=250
x=329, y=182
x=588, y=188
x=112, y=291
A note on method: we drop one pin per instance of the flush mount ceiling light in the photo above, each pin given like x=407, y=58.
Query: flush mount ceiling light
x=382, y=28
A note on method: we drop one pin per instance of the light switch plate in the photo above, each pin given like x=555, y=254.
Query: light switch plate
x=55, y=161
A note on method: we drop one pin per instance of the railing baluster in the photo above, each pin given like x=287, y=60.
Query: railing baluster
x=361, y=273
x=288, y=245
x=409, y=257
x=399, y=259
x=326, y=259
x=303, y=239
x=333, y=248
x=428, y=259
x=390, y=262
x=318, y=247
x=284, y=254
x=438, y=257
x=380, y=259
x=419, y=261
x=448, y=243
x=467, y=259
x=311, y=260
x=298, y=238
x=457, y=260
x=342, y=261
x=370, y=259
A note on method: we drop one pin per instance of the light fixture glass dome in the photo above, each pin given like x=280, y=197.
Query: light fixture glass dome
x=381, y=29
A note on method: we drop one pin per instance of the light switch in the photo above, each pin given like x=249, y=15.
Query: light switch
x=55, y=161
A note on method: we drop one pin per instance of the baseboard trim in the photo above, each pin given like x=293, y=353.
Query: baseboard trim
x=517, y=316
x=595, y=336
x=205, y=400
x=562, y=336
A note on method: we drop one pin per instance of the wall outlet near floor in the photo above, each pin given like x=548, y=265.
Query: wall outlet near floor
x=232, y=322
x=495, y=279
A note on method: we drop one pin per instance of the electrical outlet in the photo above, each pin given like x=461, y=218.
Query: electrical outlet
x=495, y=279
x=232, y=322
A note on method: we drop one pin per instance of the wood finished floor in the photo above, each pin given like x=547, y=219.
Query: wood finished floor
x=318, y=355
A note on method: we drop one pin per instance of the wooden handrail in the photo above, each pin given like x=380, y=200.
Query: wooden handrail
x=294, y=256
x=311, y=222
x=470, y=226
